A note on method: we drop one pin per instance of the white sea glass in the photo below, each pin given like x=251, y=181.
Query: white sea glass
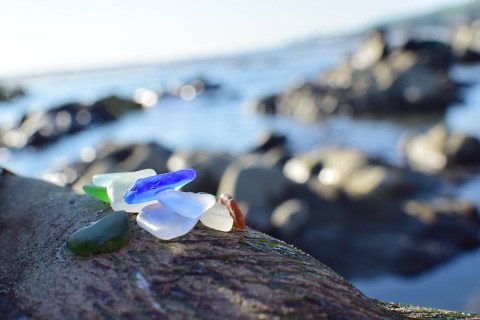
x=102, y=180
x=117, y=188
x=163, y=222
x=218, y=218
x=188, y=204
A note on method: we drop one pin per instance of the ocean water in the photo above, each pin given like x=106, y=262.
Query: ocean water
x=223, y=121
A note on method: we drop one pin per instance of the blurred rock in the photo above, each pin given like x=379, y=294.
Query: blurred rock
x=189, y=90
x=8, y=93
x=41, y=128
x=437, y=54
x=373, y=49
x=251, y=181
x=118, y=158
x=452, y=221
x=361, y=211
x=268, y=141
x=266, y=105
x=272, y=149
x=350, y=172
x=258, y=186
x=209, y=166
x=376, y=81
x=290, y=217
x=466, y=42
x=439, y=149
x=380, y=181
x=301, y=167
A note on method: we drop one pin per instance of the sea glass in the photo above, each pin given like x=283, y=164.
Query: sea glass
x=107, y=234
x=102, y=180
x=218, y=218
x=234, y=209
x=163, y=222
x=147, y=188
x=188, y=204
x=97, y=192
x=117, y=188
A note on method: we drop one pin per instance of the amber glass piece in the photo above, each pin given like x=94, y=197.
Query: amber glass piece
x=234, y=210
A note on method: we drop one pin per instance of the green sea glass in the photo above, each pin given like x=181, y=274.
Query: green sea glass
x=107, y=234
x=97, y=192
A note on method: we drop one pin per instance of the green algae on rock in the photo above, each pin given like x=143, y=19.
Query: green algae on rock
x=107, y=234
x=97, y=192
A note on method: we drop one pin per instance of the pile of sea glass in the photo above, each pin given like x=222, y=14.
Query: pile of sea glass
x=163, y=210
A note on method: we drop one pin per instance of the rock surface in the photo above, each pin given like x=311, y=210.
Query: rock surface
x=236, y=275
x=206, y=273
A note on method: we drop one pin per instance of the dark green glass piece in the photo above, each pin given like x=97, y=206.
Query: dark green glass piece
x=107, y=234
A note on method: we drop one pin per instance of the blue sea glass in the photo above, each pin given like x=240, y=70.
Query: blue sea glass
x=147, y=188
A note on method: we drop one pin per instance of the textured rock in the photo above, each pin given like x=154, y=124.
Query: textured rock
x=105, y=235
x=206, y=274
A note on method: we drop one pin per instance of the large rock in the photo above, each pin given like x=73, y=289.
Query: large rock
x=205, y=274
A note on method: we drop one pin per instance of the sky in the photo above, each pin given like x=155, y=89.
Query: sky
x=39, y=36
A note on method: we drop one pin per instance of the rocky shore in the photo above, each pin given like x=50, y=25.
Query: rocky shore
x=378, y=80
x=361, y=215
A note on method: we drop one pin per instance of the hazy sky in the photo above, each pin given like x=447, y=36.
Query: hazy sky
x=55, y=35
